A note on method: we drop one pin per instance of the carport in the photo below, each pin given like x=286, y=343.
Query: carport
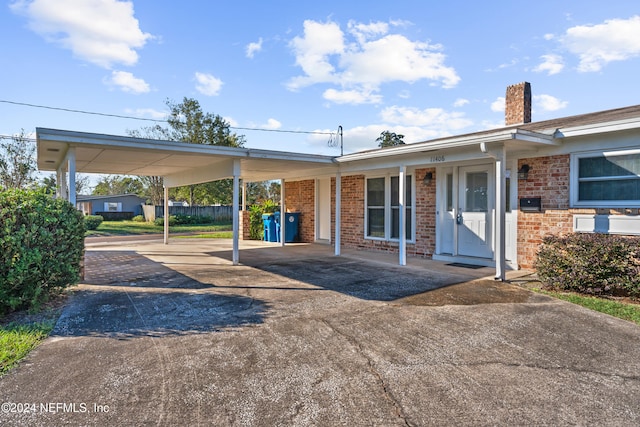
x=69, y=152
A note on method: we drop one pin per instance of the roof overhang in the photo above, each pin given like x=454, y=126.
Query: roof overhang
x=597, y=128
x=180, y=163
x=465, y=147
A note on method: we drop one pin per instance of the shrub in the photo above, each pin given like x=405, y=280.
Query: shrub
x=591, y=264
x=42, y=242
x=91, y=222
x=138, y=218
x=160, y=221
x=256, y=226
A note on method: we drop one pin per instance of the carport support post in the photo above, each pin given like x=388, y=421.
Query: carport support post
x=501, y=184
x=166, y=215
x=282, y=213
x=236, y=212
x=338, y=208
x=61, y=187
x=71, y=159
x=402, y=232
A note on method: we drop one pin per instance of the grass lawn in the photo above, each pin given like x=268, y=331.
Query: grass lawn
x=123, y=228
x=622, y=310
x=17, y=340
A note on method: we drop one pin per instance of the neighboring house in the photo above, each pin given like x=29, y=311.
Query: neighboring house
x=123, y=203
x=484, y=198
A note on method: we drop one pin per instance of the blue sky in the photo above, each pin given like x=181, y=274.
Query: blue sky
x=424, y=69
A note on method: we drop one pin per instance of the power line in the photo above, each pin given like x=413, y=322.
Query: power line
x=119, y=116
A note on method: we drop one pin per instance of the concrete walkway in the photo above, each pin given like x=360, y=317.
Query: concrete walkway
x=176, y=335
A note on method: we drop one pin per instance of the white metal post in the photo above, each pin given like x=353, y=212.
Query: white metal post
x=282, y=213
x=501, y=184
x=71, y=158
x=166, y=215
x=236, y=212
x=402, y=232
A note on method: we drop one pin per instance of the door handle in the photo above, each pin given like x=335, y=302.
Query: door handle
x=459, y=218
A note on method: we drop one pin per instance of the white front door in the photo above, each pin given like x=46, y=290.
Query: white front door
x=475, y=207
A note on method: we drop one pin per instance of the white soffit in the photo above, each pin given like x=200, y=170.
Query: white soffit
x=109, y=154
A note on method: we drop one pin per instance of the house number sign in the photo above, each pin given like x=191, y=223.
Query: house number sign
x=437, y=159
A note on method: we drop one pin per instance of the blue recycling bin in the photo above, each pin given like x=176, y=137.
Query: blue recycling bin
x=292, y=228
x=269, y=223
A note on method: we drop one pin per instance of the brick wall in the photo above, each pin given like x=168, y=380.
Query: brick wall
x=300, y=196
x=353, y=222
x=549, y=179
x=245, y=225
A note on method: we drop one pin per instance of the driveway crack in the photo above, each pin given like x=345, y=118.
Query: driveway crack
x=372, y=368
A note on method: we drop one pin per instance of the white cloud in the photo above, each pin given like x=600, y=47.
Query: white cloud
x=364, y=58
x=597, y=45
x=552, y=64
x=208, y=84
x=548, y=103
x=147, y=113
x=354, y=97
x=254, y=47
x=434, y=118
x=498, y=105
x=271, y=124
x=103, y=32
x=127, y=82
x=460, y=102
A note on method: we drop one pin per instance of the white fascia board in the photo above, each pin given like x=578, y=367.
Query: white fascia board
x=426, y=147
x=537, y=137
x=125, y=142
x=284, y=155
x=614, y=126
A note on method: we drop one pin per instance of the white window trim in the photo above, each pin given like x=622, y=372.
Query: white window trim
x=574, y=182
x=387, y=208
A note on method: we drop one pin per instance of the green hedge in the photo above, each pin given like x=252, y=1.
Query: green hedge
x=42, y=242
x=181, y=219
x=599, y=264
x=91, y=222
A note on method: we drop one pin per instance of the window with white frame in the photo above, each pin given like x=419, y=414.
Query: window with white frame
x=112, y=206
x=382, y=216
x=604, y=179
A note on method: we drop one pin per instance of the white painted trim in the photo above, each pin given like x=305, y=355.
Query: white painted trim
x=610, y=224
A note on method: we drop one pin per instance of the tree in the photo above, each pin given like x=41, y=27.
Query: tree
x=188, y=123
x=50, y=184
x=389, y=139
x=17, y=162
x=112, y=184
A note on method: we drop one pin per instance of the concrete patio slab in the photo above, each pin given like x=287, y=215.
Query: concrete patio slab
x=176, y=335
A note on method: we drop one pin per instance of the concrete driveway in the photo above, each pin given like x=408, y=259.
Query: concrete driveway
x=176, y=335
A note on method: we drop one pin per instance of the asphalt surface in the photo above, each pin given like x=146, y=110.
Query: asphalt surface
x=176, y=335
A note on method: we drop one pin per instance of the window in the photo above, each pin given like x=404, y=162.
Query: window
x=112, y=207
x=606, y=179
x=383, y=208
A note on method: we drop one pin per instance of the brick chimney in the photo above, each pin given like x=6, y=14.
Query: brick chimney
x=517, y=106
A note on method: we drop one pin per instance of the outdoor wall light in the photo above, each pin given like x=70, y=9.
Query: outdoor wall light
x=523, y=172
x=428, y=178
